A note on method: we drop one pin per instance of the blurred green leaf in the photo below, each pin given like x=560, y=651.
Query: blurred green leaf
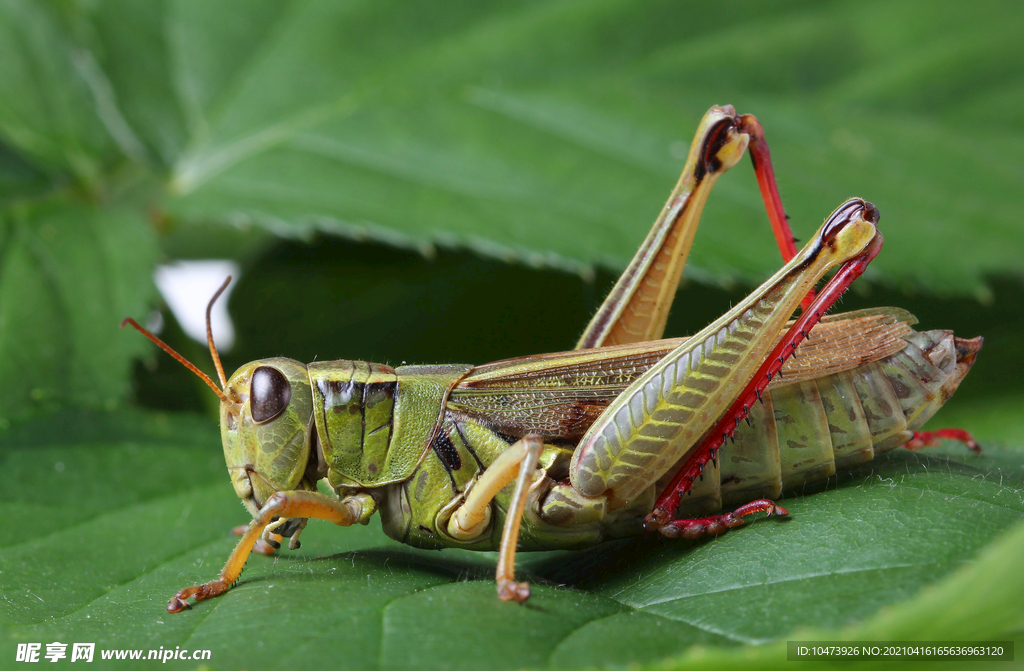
x=69, y=273
x=544, y=132
x=51, y=110
x=552, y=133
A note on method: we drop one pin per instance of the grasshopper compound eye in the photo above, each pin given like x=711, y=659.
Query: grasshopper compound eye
x=269, y=394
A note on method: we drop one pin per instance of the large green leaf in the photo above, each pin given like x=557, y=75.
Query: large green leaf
x=127, y=508
x=552, y=132
x=546, y=132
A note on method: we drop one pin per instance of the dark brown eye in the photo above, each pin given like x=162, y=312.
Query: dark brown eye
x=269, y=394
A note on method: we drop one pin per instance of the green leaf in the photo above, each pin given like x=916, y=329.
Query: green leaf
x=69, y=273
x=547, y=132
x=529, y=134
x=51, y=94
x=129, y=507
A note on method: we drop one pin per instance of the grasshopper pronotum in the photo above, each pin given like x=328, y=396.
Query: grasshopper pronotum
x=565, y=450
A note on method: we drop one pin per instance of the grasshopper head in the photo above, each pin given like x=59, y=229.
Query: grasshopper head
x=266, y=424
x=266, y=421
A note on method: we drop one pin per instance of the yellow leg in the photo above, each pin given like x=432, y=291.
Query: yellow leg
x=636, y=309
x=508, y=588
x=296, y=504
x=470, y=520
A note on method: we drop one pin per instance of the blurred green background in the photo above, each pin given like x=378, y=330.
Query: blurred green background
x=408, y=182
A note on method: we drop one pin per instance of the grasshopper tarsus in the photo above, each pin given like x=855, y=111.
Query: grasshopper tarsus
x=207, y=590
x=923, y=439
x=514, y=591
x=713, y=524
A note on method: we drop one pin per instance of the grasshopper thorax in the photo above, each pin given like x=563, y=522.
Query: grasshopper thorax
x=267, y=429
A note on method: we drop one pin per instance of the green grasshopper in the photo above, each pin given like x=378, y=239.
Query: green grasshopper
x=569, y=449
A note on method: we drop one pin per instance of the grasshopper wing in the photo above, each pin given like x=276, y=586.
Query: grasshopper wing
x=559, y=395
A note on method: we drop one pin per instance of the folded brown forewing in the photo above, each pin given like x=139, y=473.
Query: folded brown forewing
x=559, y=395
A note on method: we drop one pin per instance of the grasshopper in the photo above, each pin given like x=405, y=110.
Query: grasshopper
x=569, y=449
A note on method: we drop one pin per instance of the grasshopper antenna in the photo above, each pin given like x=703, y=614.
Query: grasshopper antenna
x=209, y=338
x=209, y=333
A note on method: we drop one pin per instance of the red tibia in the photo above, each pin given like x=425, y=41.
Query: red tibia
x=717, y=524
x=762, y=159
x=668, y=502
x=931, y=438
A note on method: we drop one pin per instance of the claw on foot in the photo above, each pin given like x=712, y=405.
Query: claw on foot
x=179, y=601
x=176, y=605
x=510, y=590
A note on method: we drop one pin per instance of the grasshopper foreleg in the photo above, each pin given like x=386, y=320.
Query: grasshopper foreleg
x=282, y=505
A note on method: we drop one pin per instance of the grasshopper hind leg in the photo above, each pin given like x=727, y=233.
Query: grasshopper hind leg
x=924, y=439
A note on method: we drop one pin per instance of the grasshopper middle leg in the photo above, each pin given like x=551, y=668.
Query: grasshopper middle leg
x=519, y=462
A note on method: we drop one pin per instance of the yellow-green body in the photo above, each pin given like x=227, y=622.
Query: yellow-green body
x=415, y=439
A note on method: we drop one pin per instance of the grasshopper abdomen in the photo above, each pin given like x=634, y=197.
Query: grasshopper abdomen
x=808, y=430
